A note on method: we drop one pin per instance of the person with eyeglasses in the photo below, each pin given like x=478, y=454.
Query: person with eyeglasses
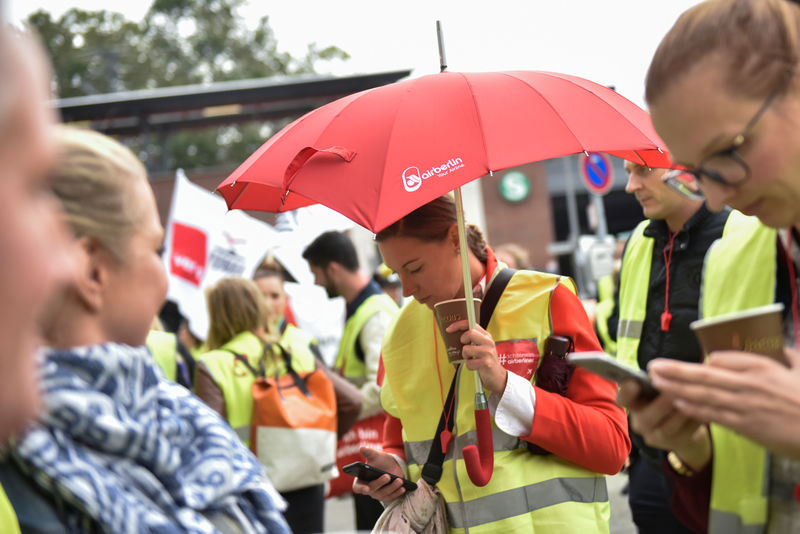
x=724, y=95
x=669, y=261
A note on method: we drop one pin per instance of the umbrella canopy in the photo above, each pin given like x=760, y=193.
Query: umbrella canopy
x=377, y=155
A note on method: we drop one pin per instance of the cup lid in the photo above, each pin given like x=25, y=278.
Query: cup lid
x=743, y=314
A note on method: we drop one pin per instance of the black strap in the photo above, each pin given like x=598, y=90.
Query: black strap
x=493, y=293
x=287, y=358
x=432, y=470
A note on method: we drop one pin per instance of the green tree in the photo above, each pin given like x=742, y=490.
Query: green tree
x=178, y=42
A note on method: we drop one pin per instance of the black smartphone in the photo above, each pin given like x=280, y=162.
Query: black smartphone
x=370, y=472
x=604, y=365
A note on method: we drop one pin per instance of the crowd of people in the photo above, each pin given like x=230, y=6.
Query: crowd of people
x=110, y=424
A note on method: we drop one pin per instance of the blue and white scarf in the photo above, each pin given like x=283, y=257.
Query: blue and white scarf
x=139, y=454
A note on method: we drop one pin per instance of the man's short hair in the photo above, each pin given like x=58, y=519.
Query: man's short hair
x=332, y=246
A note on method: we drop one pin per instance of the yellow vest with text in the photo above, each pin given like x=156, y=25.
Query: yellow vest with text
x=346, y=361
x=527, y=492
x=236, y=381
x=739, y=273
x=8, y=519
x=164, y=348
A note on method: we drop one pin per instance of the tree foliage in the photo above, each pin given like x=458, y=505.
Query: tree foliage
x=178, y=42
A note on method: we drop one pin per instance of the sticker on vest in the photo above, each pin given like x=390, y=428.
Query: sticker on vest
x=520, y=356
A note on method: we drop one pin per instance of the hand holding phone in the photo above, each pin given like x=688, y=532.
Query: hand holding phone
x=604, y=365
x=370, y=472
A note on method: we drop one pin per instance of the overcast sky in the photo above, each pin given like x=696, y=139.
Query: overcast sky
x=609, y=42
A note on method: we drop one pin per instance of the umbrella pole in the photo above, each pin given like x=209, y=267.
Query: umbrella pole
x=479, y=460
x=480, y=397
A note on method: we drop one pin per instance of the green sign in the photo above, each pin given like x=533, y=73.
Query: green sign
x=514, y=186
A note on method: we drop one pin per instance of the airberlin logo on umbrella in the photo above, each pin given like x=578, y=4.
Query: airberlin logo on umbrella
x=412, y=178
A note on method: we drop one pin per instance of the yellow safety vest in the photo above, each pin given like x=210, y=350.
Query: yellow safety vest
x=604, y=309
x=739, y=273
x=527, y=492
x=236, y=381
x=633, y=288
x=164, y=348
x=346, y=361
x=8, y=519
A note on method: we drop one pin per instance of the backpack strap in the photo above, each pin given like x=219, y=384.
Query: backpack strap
x=287, y=358
x=246, y=363
x=432, y=470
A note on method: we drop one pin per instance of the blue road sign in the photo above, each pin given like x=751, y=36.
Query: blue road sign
x=597, y=173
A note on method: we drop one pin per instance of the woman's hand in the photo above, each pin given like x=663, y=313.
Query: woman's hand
x=664, y=427
x=382, y=488
x=749, y=393
x=480, y=355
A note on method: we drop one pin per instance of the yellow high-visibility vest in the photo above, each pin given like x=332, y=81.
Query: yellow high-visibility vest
x=527, y=492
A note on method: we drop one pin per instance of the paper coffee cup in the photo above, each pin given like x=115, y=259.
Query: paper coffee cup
x=758, y=330
x=448, y=312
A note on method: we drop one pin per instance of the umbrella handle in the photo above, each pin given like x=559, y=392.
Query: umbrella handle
x=480, y=460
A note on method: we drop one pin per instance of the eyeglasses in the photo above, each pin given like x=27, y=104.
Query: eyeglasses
x=726, y=167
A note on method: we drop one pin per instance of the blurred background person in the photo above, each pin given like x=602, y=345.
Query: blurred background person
x=389, y=282
x=170, y=354
x=334, y=263
x=242, y=325
x=156, y=456
x=270, y=278
x=513, y=255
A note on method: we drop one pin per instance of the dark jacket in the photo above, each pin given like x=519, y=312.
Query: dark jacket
x=685, y=275
x=686, y=271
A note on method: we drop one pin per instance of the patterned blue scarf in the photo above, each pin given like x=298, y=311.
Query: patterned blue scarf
x=139, y=454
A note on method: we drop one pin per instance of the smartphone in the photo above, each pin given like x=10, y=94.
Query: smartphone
x=604, y=365
x=370, y=472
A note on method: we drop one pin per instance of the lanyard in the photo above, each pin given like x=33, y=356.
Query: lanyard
x=793, y=283
x=666, y=317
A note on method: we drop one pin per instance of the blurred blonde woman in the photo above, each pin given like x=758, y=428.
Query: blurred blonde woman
x=241, y=326
x=119, y=448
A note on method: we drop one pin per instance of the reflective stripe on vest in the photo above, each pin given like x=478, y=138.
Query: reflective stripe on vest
x=739, y=273
x=526, y=499
x=164, y=348
x=516, y=499
x=634, y=285
x=417, y=451
x=354, y=368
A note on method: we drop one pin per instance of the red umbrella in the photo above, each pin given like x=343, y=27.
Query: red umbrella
x=377, y=155
x=409, y=142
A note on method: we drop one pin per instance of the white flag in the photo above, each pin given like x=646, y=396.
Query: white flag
x=205, y=243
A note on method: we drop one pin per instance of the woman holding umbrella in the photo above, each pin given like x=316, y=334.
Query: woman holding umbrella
x=577, y=433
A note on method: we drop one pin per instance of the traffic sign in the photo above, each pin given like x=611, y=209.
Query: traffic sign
x=597, y=173
x=514, y=186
